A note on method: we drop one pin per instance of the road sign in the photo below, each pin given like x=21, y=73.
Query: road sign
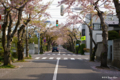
x=83, y=38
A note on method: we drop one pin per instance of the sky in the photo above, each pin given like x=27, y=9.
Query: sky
x=54, y=11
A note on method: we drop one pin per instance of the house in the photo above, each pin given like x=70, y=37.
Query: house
x=110, y=20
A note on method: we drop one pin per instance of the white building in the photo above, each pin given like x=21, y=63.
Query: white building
x=111, y=21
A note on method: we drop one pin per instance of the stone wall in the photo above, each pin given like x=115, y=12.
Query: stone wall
x=116, y=53
x=98, y=52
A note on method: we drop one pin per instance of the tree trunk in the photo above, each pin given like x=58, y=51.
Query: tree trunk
x=20, y=50
x=104, y=35
x=27, y=54
x=93, y=55
x=41, y=48
x=7, y=57
x=20, y=46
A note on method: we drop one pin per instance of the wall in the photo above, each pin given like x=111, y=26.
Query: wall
x=99, y=50
x=116, y=51
x=110, y=52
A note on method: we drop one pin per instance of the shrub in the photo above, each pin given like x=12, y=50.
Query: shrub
x=113, y=35
x=30, y=55
x=1, y=59
x=82, y=49
x=1, y=52
x=14, y=54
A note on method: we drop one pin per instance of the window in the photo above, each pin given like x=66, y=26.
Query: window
x=96, y=26
x=83, y=32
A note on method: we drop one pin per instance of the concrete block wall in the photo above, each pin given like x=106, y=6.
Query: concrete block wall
x=116, y=53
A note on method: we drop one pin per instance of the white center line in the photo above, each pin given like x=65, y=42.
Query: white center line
x=37, y=57
x=56, y=70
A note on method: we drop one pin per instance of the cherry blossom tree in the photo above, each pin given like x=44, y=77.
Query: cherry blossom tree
x=13, y=11
x=117, y=7
x=93, y=7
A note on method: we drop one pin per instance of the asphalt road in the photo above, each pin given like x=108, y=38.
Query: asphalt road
x=62, y=65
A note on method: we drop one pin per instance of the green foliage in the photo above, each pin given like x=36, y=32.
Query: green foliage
x=1, y=52
x=12, y=58
x=1, y=59
x=15, y=54
x=7, y=66
x=30, y=56
x=113, y=35
x=33, y=39
x=82, y=46
x=15, y=40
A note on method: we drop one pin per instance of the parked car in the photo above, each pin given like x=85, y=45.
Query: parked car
x=55, y=49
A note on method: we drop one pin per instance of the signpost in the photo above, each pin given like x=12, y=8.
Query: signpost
x=83, y=38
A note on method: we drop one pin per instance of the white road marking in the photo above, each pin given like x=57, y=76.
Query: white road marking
x=86, y=58
x=37, y=58
x=51, y=58
x=44, y=57
x=59, y=53
x=72, y=58
x=58, y=58
x=56, y=70
x=65, y=58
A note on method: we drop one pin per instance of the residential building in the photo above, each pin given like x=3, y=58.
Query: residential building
x=110, y=20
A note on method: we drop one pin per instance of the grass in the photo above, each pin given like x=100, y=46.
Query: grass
x=21, y=61
x=7, y=66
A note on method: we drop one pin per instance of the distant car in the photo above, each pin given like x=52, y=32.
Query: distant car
x=55, y=49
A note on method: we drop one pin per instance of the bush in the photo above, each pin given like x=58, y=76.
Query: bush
x=12, y=58
x=82, y=49
x=113, y=35
x=30, y=56
x=1, y=52
x=1, y=59
x=14, y=54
